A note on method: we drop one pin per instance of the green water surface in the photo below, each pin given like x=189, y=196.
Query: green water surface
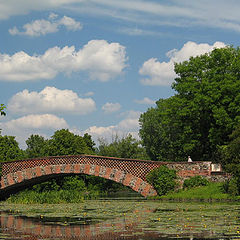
x=120, y=219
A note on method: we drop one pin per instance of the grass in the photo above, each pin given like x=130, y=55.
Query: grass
x=212, y=192
x=53, y=197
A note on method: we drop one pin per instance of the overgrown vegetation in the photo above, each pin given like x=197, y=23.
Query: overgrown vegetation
x=162, y=179
x=211, y=192
x=195, y=181
x=71, y=189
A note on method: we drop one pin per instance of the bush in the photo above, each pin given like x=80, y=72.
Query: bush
x=195, y=181
x=231, y=187
x=162, y=179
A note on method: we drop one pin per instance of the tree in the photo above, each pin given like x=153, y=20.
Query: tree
x=36, y=146
x=202, y=114
x=88, y=140
x=9, y=149
x=126, y=147
x=63, y=142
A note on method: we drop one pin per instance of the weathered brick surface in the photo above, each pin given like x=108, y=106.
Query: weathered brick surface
x=107, y=173
x=87, y=169
x=76, y=168
x=19, y=176
x=97, y=170
x=137, y=184
x=146, y=190
x=127, y=179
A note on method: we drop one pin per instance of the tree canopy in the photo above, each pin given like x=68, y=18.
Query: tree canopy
x=63, y=142
x=201, y=115
x=9, y=149
x=126, y=147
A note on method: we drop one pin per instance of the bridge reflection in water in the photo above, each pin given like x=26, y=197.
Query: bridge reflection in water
x=25, y=228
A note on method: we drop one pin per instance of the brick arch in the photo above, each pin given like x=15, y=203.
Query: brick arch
x=119, y=176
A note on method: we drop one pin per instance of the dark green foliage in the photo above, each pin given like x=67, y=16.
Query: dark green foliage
x=46, y=186
x=70, y=183
x=50, y=197
x=90, y=143
x=71, y=189
x=229, y=154
x=201, y=115
x=9, y=149
x=36, y=146
x=63, y=142
x=195, y=181
x=162, y=179
x=2, y=107
x=232, y=186
x=126, y=147
x=74, y=184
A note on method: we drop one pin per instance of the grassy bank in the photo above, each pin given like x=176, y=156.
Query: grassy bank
x=212, y=192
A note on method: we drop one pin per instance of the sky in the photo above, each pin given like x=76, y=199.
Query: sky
x=93, y=66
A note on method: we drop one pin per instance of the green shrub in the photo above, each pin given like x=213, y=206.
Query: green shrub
x=231, y=187
x=74, y=183
x=50, y=185
x=195, y=181
x=162, y=179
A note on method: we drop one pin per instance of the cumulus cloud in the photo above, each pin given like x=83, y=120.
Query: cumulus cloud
x=129, y=125
x=50, y=100
x=162, y=73
x=42, y=26
x=111, y=107
x=102, y=60
x=145, y=101
x=23, y=127
x=37, y=121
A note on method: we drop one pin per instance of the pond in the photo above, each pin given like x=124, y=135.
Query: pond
x=120, y=219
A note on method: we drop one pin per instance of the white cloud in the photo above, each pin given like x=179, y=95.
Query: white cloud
x=39, y=124
x=70, y=23
x=180, y=13
x=50, y=100
x=37, y=121
x=162, y=73
x=42, y=27
x=102, y=60
x=146, y=101
x=111, y=107
x=129, y=125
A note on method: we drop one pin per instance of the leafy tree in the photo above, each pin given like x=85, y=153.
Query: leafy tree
x=202, y=114
x=126, y=147
x=2, y=107
x=9, y=149
x=36, y=146
x=162, y=179
x=88, y=140
x=63, y=142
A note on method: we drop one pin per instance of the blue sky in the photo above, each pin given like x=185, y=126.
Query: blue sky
x=95, y=65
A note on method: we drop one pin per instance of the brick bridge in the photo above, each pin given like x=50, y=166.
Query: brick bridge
x=17, y=175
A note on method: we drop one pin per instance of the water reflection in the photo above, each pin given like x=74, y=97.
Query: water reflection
x=30, y=228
